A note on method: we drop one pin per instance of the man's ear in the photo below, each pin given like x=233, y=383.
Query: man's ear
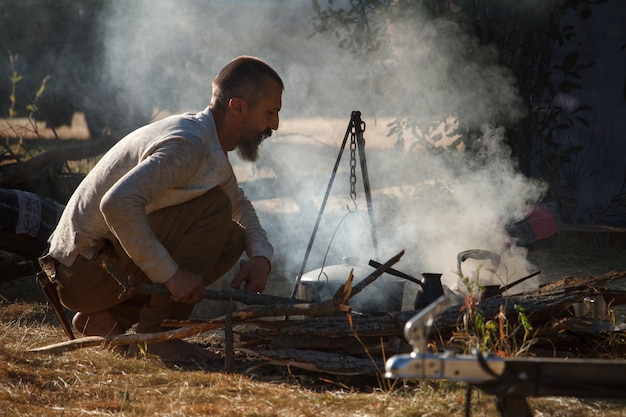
x=238, y=107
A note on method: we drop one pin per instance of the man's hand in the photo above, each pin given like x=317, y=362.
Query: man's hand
x=253, y=275
x=185, y=287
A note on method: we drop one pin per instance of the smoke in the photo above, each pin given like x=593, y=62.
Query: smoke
x=431, y=204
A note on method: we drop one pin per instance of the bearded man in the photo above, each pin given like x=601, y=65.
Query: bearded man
x=163, y=206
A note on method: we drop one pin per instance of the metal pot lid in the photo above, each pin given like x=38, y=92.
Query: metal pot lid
x=339, y=274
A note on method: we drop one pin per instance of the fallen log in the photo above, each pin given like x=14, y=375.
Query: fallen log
x=324, y=362
x=550, y=300
x=365, y=335
x=546, y=302
x=11, y=175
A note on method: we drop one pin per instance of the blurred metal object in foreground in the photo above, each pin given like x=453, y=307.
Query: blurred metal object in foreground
x=511, y=380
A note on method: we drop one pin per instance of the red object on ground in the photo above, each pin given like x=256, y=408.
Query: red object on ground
x=542, y=222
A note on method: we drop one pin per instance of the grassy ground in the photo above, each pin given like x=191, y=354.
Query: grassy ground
x=96, y=381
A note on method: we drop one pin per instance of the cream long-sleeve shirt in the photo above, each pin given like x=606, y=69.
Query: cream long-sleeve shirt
x=159, y=165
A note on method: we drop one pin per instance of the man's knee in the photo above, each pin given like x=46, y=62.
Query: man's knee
x=87, y=287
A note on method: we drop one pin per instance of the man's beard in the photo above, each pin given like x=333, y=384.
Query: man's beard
x=248, y=148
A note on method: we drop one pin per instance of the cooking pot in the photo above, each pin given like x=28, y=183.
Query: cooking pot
x=384, y=294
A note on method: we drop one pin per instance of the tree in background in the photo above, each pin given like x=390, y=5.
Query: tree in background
x=476, y=40
x=51, y=66
x=60, y=41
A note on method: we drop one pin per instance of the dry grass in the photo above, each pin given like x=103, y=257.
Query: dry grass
x=96, y=381
x=99, y=382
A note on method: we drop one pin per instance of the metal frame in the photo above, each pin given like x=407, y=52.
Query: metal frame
x=511, y=380
x=356, y=127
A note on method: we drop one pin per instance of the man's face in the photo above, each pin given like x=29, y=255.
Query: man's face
x=259, y=123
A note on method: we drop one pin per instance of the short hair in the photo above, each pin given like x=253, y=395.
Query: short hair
x=245, y=77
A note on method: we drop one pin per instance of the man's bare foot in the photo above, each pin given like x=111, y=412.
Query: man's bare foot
x=100, y=323
x=176, y=351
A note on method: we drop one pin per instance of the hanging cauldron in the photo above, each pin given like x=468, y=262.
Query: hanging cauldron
x=384, y=294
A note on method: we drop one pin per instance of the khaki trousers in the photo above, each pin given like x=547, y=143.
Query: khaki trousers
x=200, y=235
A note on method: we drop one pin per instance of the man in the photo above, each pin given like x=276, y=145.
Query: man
x=163, y=205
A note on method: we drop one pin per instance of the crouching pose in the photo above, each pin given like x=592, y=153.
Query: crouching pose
x=163, y=205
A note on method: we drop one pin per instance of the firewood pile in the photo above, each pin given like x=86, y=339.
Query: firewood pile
x=358, y=344
x=327, y=337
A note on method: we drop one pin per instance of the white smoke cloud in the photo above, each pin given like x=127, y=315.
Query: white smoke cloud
x=433, y=205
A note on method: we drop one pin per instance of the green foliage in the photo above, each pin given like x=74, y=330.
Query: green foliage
x=14, y=79
x=33, y=108
x=553, y=118
x=524, y=33
x=356, y=27
x=555, y=121
x=497, y=335
x=437, y=135
x=125, y=398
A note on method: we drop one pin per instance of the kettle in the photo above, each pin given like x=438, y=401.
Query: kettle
x=431, y=287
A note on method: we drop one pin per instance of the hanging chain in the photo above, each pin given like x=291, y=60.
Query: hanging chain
x=353, y=163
